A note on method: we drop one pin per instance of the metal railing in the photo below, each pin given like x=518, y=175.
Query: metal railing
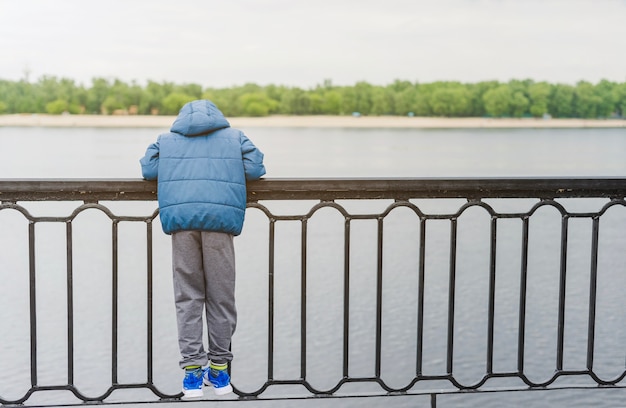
x=408, y=195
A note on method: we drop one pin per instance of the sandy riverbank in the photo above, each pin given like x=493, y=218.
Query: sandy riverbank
x=307, y=121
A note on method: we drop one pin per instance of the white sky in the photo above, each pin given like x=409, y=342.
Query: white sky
x=302, y=42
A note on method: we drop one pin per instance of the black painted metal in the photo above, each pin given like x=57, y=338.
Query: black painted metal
x=91, y=190
x=325, y=192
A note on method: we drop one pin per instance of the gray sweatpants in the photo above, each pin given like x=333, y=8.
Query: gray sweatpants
x=204, y=279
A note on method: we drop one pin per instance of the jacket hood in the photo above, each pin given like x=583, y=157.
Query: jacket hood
x=198, y=118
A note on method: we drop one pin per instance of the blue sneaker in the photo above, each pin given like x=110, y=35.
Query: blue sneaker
x=192, y=384
x=219, y=379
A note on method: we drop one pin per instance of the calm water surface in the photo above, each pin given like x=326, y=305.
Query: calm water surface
x=311, y=152
x=114, y=153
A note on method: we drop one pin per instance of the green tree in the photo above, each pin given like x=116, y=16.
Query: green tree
x=133, y=96
x=401, y=98
x=174, y=101
x=362, y=98
x=382, y=101
x=97, y=94
x=274, y=92
x=256, y=109
x=619, y=95
x=498, y=101
x=225, y=100
x=586, y=102
x=332, y=103
x=561, y=102
x=193, y=90
x=519, y=97
x=256, y=104
x=317, y=103
x=451, y=100
x=295, y=101
x=404, y=101
x=23, y=98
x=122, y=96
x=111, y=104
x=476, y=92
x=8, y=96
x=515, y=98
x=152, y=97
x=519, y=104
x=399, y=86
x=606, y=105
x=423, y=97
x=539, y=94
x=57, y=107
x=46, y=90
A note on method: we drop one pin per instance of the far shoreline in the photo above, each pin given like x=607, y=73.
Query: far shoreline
x=164, y=122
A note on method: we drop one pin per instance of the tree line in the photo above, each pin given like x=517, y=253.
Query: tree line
x=515, y=98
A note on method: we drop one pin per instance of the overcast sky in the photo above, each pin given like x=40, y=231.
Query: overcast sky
x=303, y=42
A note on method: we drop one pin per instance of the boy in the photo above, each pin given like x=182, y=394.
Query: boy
x=202, y=166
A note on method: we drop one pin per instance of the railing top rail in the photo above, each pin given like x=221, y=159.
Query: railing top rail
x=31, y=189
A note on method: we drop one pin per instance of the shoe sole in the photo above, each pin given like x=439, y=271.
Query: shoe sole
x=192, y=394
x=223, y=390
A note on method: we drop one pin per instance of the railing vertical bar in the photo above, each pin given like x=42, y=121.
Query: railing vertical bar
x=593, y=286
x=562, y=289
x=451, y=295
x=70, y=302
x=270, y=302
x=303, y=299
x=149, y=306
x=346, y=298
x=492, y=294
x=379, y=298
x=33, y=303
x=420, y=300
x=114, y=300
x=522, y=296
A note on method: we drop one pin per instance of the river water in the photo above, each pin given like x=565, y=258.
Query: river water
x=313, y=152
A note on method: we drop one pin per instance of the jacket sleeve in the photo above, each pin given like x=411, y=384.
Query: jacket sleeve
x=150, y=162
x=252, y=159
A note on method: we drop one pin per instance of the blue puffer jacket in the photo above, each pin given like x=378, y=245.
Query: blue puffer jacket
x=202, y=166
